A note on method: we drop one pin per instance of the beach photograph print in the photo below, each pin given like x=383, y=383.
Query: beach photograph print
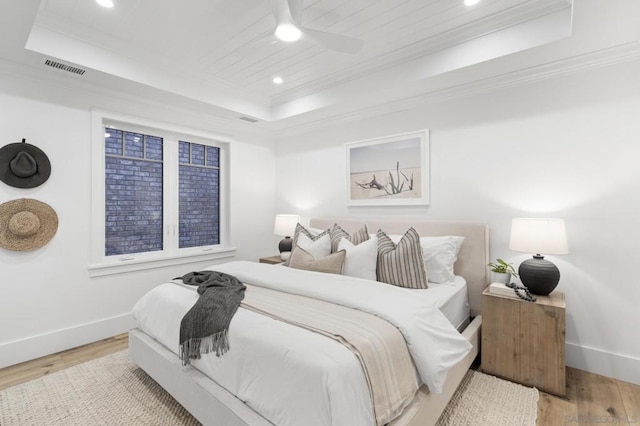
x=389, y=171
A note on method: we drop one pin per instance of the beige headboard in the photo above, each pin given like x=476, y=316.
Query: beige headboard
x=472, y=259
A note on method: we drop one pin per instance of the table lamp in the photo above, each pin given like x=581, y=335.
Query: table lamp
x=540, y=235
x=285, y=226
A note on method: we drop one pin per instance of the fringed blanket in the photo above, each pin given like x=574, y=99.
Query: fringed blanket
x=204, y=328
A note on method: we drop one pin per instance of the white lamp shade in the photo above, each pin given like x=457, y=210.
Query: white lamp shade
x=286, y=224
x=539, y=235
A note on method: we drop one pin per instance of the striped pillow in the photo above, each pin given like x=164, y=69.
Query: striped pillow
x=302, y=230
x=337, y=233
x=313, y=237
x=402, y=264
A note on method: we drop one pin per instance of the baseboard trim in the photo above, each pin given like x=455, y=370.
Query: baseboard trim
x=608, y=364
x=33, y=347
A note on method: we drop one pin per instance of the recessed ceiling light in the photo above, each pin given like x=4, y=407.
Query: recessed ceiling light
x=278, y=80
x=288, y=32
x=471, y=2
x=105, y=3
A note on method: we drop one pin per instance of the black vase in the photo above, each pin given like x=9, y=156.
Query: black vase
x=539, y=275
x=285, y=244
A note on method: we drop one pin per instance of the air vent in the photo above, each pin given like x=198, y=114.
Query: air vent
x=249, y=119
x=64, y=67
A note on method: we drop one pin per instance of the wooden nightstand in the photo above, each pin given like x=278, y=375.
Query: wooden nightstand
x=272, y=260
x=524, y=341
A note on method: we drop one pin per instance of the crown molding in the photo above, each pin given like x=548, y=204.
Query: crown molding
x=58, y=82
x=495, y=23
x=99, y=42
x=579, y=63
x=164, y=78
x=90, y=94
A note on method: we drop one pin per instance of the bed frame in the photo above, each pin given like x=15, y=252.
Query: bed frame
x=213, y=405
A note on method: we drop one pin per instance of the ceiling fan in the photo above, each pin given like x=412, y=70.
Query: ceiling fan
x=288, y=14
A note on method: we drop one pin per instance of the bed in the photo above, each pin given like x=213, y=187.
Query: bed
x=212, y=404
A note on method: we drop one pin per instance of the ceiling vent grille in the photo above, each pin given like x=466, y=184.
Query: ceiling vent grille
x=249, y=119
x=64, y=67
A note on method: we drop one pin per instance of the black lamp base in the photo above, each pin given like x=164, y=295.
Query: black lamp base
x=286, y=244
x=539, y=275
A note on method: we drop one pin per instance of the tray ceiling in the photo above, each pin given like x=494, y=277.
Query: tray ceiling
x=223, y=52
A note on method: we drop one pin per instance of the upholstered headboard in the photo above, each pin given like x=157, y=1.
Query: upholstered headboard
x=472, y=259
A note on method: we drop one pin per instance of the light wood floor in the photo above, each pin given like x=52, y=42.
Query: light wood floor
x=20, y=373
x=591, y=399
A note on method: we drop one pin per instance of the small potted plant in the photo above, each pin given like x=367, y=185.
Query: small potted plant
x=501, y=271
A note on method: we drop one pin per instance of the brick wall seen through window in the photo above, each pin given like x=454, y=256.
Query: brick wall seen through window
x=133, y=193
x=134, y=204
x=199, y=195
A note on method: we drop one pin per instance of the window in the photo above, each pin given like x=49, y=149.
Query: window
x=199, y=203
x=133, y=192
x=159, y=196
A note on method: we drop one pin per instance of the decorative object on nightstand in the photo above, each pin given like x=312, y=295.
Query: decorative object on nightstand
x=511, y=290
x=285, y=226
x=501, y=271
x=525, y=342
x=541, y=235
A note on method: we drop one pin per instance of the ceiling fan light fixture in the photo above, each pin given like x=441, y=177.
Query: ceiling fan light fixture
x=105, y=3
x=278, y=80
x=288, y=32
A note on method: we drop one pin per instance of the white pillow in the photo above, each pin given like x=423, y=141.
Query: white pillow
x=361, y=259
x=318, y=248
x=440, y=254
x=395, y=238
x=315, y=231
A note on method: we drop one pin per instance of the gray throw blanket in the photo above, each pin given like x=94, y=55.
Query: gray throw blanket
x=204, y=328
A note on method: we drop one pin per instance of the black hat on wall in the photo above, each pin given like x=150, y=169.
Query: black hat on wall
x=23, y=165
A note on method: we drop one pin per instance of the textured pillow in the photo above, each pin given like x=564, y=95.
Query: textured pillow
x=302, y=259
x=361, y=259
x=337, y=233
x=312, y=241
x=440, y=255
x=402, y=264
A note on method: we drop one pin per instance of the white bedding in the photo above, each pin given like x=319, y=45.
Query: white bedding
x=452, y=299
x=292, y=376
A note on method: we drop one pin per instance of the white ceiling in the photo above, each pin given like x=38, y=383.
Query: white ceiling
x=223, y=52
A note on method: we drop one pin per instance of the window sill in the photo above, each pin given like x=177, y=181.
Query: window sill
x=142, y=263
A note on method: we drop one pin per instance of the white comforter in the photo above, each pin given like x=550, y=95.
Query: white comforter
x=292, y=376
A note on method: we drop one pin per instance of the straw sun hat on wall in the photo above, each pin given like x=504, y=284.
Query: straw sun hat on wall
x=26, y=224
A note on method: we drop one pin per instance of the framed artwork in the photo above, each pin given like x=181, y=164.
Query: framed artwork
x=389, y=171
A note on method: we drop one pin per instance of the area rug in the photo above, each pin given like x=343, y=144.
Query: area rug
x=486, y=400
x=112, y=390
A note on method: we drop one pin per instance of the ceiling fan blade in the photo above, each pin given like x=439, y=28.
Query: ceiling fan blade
x=337, y=42
x=281, y=11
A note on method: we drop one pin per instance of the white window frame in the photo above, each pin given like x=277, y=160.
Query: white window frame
x=171, y=254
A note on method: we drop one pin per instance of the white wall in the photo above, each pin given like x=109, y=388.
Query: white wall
x=566, y=147
x=48, y=302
